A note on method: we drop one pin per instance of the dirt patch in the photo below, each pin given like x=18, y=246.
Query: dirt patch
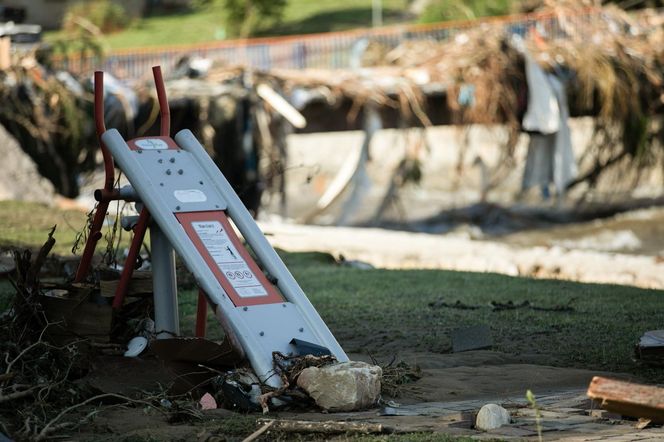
x=485, y=374
x=445, y=400
x=127, y=376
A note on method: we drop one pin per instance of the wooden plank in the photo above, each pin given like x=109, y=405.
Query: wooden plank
x=140, y=284
x=628, y=399
x=72, y=316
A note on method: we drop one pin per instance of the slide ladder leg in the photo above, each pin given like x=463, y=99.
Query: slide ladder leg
x=164, y=284
x=128, y=270
x=201, y=314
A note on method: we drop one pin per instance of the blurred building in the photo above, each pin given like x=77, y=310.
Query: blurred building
x=49, y=13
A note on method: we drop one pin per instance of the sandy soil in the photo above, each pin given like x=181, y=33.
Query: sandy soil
x=393, y=249
x=485, y=374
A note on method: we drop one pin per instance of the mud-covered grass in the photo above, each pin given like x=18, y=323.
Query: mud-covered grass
x=385, y=312
x=388, y=311
x=27, y=225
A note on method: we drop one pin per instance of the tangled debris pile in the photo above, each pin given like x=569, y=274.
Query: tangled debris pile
x=49, y=113
x=611, y=62
x=37, y=376
x=60, y=347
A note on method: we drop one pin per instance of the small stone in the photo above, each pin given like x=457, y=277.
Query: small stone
x=346, y=386
x=492, y=416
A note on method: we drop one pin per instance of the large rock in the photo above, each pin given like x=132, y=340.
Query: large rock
x=346, y=386
x=19, y=178
x=492, y=416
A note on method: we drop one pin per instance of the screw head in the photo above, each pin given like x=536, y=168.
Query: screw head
x=140, y=151
x=200, y=182
x=245, y=308
x=180, y=172
x=262, y=333
x=172, y=160
x=168, y=171
x=160, y=161
x=161, y=184
x=301, y=329
x=177, y=207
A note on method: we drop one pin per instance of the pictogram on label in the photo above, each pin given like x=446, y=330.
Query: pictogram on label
x=228, y=259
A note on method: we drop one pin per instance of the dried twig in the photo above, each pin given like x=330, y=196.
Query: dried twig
x=11, y=363
x=18, y=394
x=51, y=426
x=256, y=434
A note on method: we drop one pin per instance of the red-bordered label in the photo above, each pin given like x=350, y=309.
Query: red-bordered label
x=231, y=263
x=152, y=143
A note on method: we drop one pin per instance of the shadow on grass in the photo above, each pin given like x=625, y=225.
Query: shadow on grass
x=172, y=11
x=338, y=20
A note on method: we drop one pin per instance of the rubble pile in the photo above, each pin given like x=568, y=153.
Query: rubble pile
x=46, y=112
x=21, y=180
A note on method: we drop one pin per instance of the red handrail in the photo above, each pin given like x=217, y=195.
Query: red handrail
x=163, y=102
x=140, y=229
x=109, y=170
x=144, y=218
x=100, y=126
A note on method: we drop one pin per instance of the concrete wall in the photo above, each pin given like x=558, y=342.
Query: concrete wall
x=449, y=176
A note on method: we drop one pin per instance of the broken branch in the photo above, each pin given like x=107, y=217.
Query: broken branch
x=18, y=394
x=256, y=434
x=327, y=427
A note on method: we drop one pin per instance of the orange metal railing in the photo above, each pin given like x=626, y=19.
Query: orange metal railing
x=331, y=50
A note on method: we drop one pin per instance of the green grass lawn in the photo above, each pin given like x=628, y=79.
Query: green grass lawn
x=305, y=16
x=208, y=23
x=385, y=312
x=27, y=225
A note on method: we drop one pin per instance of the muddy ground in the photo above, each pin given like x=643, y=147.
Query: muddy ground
x=404, y=315
x=439, y=406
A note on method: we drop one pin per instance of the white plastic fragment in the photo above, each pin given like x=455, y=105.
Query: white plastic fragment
x=136, y=346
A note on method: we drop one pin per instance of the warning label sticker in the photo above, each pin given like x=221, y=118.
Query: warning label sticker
x=228, y=259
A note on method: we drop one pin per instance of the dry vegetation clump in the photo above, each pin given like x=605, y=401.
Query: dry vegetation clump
x=618, y=75
x=44, y=391
x=396, y=374
x=103, y=15
x=36, y=376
